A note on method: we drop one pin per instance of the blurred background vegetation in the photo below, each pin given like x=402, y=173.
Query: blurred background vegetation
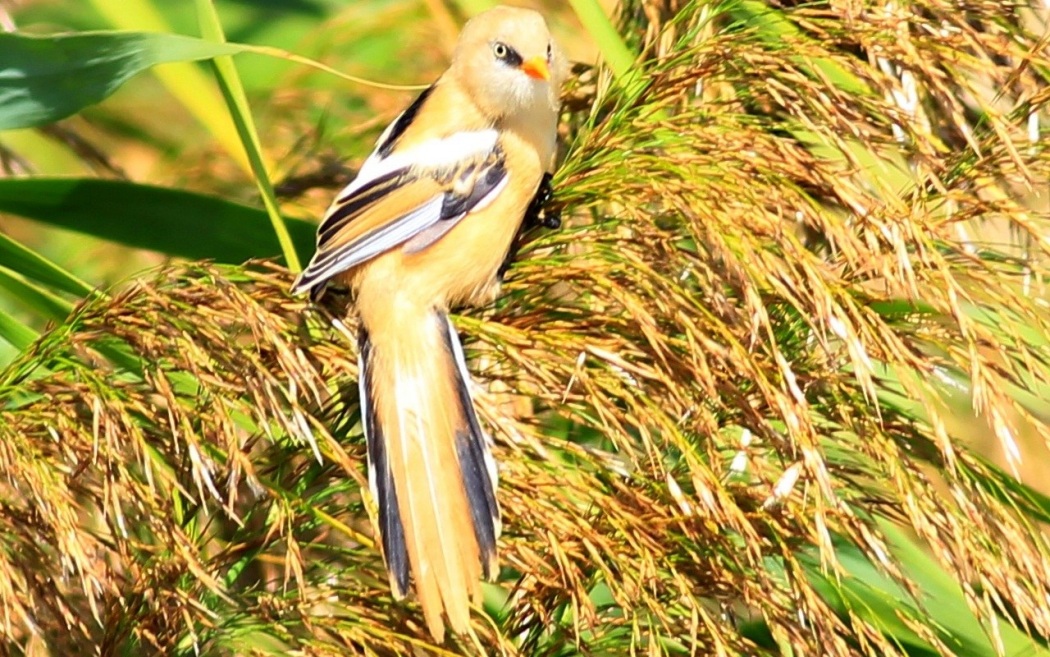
x=781, y=385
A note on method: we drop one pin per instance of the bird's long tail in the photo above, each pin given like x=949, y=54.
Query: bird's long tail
x=430, y=469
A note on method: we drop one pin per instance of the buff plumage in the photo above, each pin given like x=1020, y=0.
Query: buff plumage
x=424, y=227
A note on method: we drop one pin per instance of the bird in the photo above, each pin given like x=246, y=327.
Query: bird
x=423, y=228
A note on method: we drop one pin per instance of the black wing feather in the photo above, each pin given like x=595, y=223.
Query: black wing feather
x=465, y=186
x=347, y=207
x=402, y=122
x=457, y=204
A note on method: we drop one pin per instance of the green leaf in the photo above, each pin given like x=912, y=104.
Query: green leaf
x=776, y=29
x=237, y=103
x=170, y=221
x=947, y=606
x=15, y=332
x=47, y=78
x=31, y=264
x=874, y=597
x=44, y=79
x=1008, y=490
x=33, y=297
x=614, y=50
x=187, y=83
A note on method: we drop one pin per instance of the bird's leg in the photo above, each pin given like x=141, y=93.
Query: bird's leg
x=538, y=206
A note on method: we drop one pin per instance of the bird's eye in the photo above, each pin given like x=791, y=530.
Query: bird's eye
x=506, y=54
x=549, y=52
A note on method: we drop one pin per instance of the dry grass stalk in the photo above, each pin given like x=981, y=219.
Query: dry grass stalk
x=745, y=355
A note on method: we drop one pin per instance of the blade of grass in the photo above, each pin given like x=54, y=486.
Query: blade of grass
x=181, y=223
x=237, y=103
x=41, y=301
x=1008, y=490
x=14, y=332
x=47, y=78
x=27, y=262
x=948, y=607
x=613, y=49
x=54, y=76
x=185, y=81
x=271, y=51
x=775, y=28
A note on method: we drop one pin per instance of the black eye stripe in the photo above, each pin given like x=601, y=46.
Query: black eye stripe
x=506, y=54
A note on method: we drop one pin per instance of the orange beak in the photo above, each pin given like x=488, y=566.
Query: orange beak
x=536, y=68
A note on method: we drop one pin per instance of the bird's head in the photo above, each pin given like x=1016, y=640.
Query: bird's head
x=508, y=61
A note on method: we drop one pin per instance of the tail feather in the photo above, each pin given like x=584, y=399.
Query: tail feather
x=380, y=477
x=479, y=468
x=429, y=466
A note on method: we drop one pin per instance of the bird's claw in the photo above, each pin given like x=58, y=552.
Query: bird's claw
x=538, y=214
x=552, y=219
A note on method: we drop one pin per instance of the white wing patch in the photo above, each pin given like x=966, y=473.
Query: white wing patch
x=430, y=154
x=458, y=155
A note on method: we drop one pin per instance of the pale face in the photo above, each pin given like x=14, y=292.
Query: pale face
x=509, y=61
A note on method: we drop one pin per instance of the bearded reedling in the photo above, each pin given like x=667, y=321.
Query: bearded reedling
x=425, y=226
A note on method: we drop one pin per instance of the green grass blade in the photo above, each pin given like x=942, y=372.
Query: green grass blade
x=44, y=79
x=1005, y=488
x=170, y=221
x=237, y=103
x=871, y=595
x=31, y=264
x=774, y=28
x=613, y=49
x=47, y=78
x=186, y=82
x=15, y=332
x=33, y=297
x=947, y=605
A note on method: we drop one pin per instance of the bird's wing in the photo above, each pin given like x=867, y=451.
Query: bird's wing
x=410, y=197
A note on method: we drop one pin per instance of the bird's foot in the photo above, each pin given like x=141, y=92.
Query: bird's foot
x=538, y=212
